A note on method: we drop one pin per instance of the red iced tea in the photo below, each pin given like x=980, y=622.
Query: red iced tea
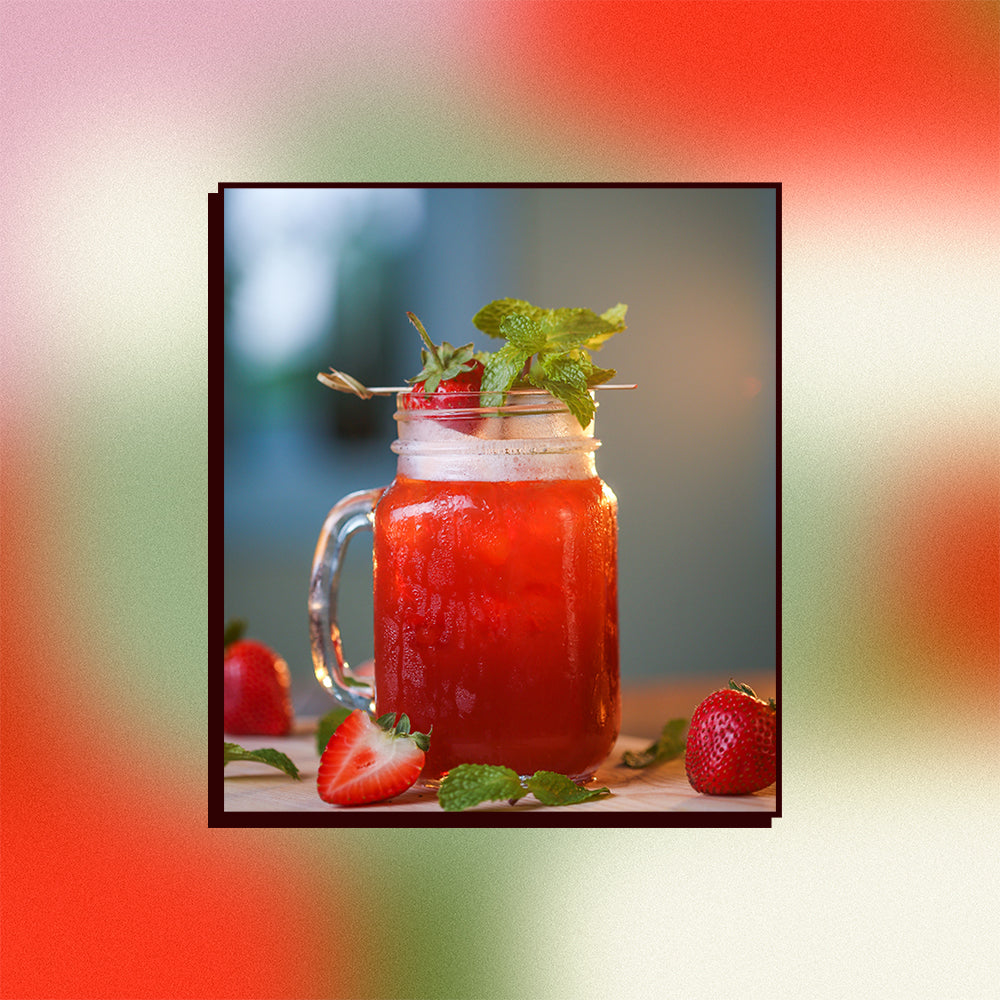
x=496, y=622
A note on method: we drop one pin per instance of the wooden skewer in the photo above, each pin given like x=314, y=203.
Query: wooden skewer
x=347, y=383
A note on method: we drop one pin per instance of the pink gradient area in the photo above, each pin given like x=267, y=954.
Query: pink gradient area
x=220, y=66
x=220, y=51
x=829, y=97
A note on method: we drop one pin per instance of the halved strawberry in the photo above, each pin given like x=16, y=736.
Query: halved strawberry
x=370, y=760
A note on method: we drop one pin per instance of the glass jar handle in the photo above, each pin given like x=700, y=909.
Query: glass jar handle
x=354, y=513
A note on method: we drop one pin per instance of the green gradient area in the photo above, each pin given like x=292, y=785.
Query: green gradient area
x=374, y=130
x=444, y=913
x=137, y=565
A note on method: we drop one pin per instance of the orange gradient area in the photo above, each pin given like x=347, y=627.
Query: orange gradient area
x=940, y=552
x=767, y=87
x=112, y=886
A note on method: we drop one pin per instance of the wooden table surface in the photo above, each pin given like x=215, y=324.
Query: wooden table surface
x=661, y=789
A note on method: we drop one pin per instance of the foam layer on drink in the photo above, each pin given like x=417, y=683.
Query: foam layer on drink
x=532, y=437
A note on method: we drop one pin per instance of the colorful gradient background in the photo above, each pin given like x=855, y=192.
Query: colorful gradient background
x=880, y=120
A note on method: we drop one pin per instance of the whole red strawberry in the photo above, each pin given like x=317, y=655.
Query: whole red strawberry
x=731, y=743
x=451, y=378
x=461, y=390
x=370, y=760
x=256, y=691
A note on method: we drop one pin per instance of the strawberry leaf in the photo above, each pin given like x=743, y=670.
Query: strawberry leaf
x=423, y=740
x=266, y=755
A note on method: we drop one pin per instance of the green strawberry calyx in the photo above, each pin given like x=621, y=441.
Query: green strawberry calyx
x=235, y=630
x=401, y=728
x=746, y=689
x=441, y=362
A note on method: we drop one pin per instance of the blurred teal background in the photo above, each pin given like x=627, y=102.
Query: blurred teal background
x=320, y=277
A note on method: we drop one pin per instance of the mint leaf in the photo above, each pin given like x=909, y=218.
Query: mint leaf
x=553, y=789
x=565, y=376
x=569, y=328
x=490, y=317
x=599, y=375
x=267, y=755
x=501, y=371
x=523, y=332
x=327, y=726
x=471, y=784
x=579, y=401
x=564, y=328
x=669, y=745
x=616, y=316
x=571, y=368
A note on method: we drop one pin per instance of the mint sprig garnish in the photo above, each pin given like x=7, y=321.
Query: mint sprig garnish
x=669, y=745
x=267, y=755
x=472, y=784
x=546, y=349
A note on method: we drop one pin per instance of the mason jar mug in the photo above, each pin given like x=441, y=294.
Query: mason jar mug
x=495, y=588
